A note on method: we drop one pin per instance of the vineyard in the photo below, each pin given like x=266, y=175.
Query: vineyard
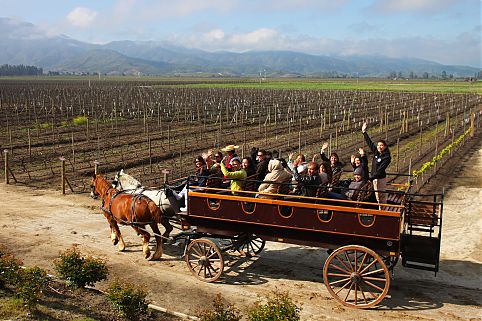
x=145, y=127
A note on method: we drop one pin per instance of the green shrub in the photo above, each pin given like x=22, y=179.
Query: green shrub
x=280, y=307
x=220, y=312
x=80, y=271
x=80, y=120
x=30, y=285
x=9, y=267
x=128, y=300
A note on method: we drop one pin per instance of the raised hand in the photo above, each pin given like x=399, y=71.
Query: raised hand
x=352, y=159
x=290, y=156
x=361, y=151
x=324, y=147
x=364, y=127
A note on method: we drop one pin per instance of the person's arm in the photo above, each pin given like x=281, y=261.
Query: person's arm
x=241, y=174
x=322, y=152
x=368, y=140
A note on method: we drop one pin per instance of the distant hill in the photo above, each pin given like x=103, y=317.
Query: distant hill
x=24, y=43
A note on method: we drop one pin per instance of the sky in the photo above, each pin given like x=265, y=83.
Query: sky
x=444, y=31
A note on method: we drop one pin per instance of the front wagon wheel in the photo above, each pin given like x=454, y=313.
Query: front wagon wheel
x=204, y=260
x=356, y=276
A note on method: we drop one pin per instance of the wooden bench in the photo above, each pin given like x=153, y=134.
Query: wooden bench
x=420, y=213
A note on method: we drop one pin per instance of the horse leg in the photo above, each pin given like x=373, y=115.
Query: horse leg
x=118, y=236
x=157, y=234
x=167, y=226
x=113, y=236
x=145, y=240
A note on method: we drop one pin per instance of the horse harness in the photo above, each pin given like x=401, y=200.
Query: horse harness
x=135, y=198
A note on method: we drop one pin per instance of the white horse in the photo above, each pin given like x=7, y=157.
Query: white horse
x=166, y=201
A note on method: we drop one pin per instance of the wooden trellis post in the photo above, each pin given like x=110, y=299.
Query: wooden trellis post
x=96, y=167
x=5, y=153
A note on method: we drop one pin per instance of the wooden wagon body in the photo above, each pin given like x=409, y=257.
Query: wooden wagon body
x=364, y=240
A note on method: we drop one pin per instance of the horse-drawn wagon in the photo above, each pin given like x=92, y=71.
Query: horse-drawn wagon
x=364, y=241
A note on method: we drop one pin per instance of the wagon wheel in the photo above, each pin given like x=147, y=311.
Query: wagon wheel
x=204, y=259
x=356, y=276
x=251, y=246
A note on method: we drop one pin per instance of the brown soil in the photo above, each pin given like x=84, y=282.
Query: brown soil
x=39, y=224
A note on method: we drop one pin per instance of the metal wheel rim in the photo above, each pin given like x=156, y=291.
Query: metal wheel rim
x=356, y=276
x=204, y=260
x=253, y=246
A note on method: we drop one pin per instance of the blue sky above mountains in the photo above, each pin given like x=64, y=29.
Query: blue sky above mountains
x=445, y=31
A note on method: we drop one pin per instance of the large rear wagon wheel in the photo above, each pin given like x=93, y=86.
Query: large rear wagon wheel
x=204, y=260
x=356, y=276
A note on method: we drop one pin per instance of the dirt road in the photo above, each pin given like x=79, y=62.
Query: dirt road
x=38, y=224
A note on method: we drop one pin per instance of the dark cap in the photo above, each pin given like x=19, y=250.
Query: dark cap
x=358, y=171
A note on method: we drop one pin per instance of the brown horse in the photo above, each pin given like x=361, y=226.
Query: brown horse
x=127, y=209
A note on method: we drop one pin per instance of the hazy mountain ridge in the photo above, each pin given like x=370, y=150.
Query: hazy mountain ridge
x=24, y=43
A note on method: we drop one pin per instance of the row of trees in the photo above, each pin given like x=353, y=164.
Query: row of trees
x=20, y=70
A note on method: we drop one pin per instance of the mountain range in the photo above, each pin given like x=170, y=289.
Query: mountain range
x=24, y=43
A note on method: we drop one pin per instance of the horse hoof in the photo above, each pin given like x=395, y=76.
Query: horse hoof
x=122, y=247
x=115, y=241
x=147, y=254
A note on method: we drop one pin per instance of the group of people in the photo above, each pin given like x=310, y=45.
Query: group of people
x=272, y=172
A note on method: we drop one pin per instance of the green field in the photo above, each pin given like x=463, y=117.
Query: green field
x=380, y=85
x=446, y=86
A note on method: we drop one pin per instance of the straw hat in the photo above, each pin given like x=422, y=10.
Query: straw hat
x=230, y=148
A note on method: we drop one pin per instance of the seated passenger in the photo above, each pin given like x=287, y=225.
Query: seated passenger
x=299, y=161
x=308, y=184
x=353, y=189
x=334, y=160
x=325, y=173
x=199, y=179
x=231, y=151
x=236, y=176
x=360, y=160
x=262, y=167
x=277, y=174
x=248, y=165
x=213, y=164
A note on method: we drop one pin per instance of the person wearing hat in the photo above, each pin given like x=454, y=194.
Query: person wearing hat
x=381, y=160
x=237, y=174
x=231, y=151
x=353, y=189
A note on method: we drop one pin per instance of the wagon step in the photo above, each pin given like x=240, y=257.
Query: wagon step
x=421, y=252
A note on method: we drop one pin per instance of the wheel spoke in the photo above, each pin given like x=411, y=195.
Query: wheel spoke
x=349, y=291
x=195, y=249
x=375, y=279
x=348, y=260
x=372, y=272
x=338, y=274
x=355, y=269
x=368, y=266
x=356, y=291
x=212, y=254
x=339, y=281
x=332, y=265
x=344, y=286
x=373, y=285
x=362, y=262
x=343, y=263
x=363, y=294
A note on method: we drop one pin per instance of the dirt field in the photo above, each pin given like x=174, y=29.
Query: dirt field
x=38, y=224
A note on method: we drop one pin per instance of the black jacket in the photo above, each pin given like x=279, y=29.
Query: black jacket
x=380, y=161
x=334, y=169
x=308, y=184
x=262, y=169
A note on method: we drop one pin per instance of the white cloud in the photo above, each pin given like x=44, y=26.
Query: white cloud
x=81, y=17
x=397, y=6
x=257, y=37
x=442, y=51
